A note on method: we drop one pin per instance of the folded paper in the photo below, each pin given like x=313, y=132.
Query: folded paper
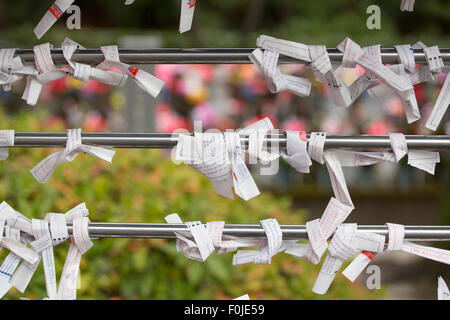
x=197, y=249
x=346, y=243
x=264, y=254
x=44, y=169
x=219, y=157
x=42, y=235
x=45, y=70
x=396, y=241
x=6, y=140
x=143, y=79
x=51, y=16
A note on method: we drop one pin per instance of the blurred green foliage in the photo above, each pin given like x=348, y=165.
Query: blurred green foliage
x=145, y=186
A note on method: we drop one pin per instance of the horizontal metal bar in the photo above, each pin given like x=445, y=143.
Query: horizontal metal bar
x=203, y=56
x=290, y=232
x=169, y=140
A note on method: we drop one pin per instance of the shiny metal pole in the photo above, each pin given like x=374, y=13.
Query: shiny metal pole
x=203, y=56
x=290, y=232
x=169, y=140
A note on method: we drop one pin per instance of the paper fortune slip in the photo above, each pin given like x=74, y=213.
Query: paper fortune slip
x=55, y=12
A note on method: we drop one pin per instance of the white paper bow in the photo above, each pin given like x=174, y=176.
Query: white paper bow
x=44, y=169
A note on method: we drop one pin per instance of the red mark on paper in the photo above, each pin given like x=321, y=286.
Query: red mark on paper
x=369, y=254
x=133, y=70
x=302, y=135
x=191, y=4
x=55, y=11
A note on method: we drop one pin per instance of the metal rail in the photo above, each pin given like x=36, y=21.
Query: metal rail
x=169, y=140
x=290, y=232
x=204, y=56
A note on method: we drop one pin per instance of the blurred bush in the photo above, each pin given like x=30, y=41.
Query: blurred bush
x=145, y=186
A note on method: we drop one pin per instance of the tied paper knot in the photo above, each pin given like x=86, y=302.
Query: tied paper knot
x=296, y=153
x=53, y=231
x=46, y=71
x=42, y=235
x=44, y=169
x=263, y=255
x=423, y=160
x=11, y=225
x=201, y=247
x=320, y=64
x=396, y=241
x=143, y=79
x=393, y=78
x=81, y=243
x=224, y=244
x=9, y=68
x=323, y=70
x=85, y=72
x=398, y=78
x=317, y=153
x=220, y=158
x=353, y=54
x=267, y=62
x=296, y=156
x=200, y=241
x=319, y=230
x=336, y=159
x=427, y=73
x=48, y=233
x=346, y=243
x=6, y=140
x=316, y=144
